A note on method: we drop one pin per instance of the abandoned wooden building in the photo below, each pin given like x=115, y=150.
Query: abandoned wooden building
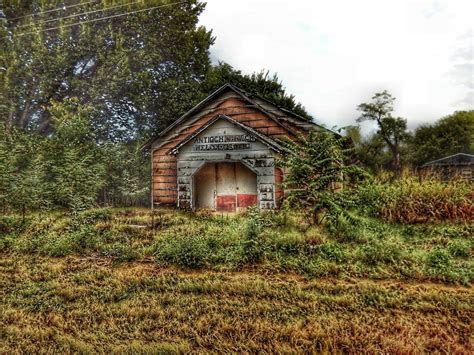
x=456, y=166
x=221, y=154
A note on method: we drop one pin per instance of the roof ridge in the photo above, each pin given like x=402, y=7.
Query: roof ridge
x=448, y=157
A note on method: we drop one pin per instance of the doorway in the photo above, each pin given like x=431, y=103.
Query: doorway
x=225, y=187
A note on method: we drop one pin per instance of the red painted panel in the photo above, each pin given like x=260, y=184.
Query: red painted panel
x=226, y=203
x=246, y=200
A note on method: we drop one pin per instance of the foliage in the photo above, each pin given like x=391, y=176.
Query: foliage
x=128, y=175
x=371, y=150
x=69, y=168
x=450, y=135
x=271, y=242
x=259, y=84
x=21, y=172
x=411, y=200
x=74, y=169
x=318, y=165
x=137, y=81
x=393, y=130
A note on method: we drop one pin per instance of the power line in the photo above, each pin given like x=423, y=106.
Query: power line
x=54, y=10
x=99, y=19
x=83, y=13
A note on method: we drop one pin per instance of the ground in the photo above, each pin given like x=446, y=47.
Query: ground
x=90, y=295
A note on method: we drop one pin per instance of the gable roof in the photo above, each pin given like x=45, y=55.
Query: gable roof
x=262, y=138
x=242, y=94
x=200, y=105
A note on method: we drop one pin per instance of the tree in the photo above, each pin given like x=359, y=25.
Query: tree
x=371, y=151
x=260, y=84
x=74, y=163
x=316, y=165
x=393, y=130
x=21, y=176
x=128, y=176
x=139, y=71
x=450, y=135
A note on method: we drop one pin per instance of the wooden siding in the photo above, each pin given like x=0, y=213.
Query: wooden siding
x=164, y=176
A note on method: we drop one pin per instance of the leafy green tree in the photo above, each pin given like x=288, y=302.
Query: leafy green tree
x=317, y=165
x=450, y=135
x=393, y=130
x=260, y=84
x=128, y=176
x=371, y=151
x=139, y=71
x=74, y=163
x=21, y=176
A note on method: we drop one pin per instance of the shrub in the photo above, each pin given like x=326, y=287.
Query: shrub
x=6, y=241
x=189, y=251
x=288, y=242
x=347, y=233
x=9, y=224
x=333, y=251
x=58, y=245
x=252, y=244
x=439, y=258
x=318, y=164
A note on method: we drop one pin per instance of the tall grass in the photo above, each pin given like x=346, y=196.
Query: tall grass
x=281, y=241
x=412, y=200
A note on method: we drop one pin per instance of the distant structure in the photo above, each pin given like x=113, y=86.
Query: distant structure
x=460, y=165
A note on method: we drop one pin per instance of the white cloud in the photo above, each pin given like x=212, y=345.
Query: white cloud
x=333, y=55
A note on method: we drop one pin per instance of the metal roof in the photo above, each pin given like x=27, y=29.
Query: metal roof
x=455, y=159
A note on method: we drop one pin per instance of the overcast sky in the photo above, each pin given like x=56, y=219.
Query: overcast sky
x=333, y=55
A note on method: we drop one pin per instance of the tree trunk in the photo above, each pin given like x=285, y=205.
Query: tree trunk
x=397, y=166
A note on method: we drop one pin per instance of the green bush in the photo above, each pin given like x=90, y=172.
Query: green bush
x=10, y=224
x=333, y=251
x=192, y=251
x=288, y=242
x=6, y=241
x=439, y=258
x=58, y=245
x=347, y=233
x=120, y=252
x=252, y=243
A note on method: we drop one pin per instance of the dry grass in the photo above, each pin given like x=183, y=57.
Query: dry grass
x=80, y=304
x=411, y=200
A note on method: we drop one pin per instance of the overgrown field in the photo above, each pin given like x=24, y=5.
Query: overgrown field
x=81, y=304
x=106, y=281
x=276, y=242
